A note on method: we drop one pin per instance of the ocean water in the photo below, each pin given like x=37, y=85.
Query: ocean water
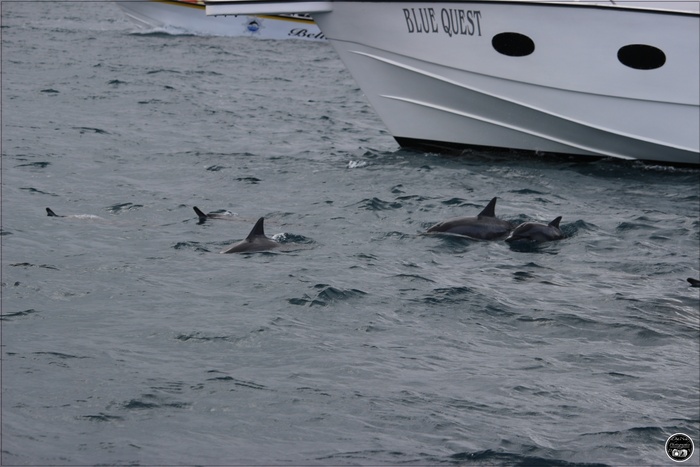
x=127, y=339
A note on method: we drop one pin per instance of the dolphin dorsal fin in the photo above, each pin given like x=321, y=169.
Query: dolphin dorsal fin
x=50, y=213
x=258, y=230
x=555, y=222
x=200, y=214
x=489, y=210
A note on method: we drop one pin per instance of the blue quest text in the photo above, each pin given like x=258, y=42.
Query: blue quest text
x=450, y=21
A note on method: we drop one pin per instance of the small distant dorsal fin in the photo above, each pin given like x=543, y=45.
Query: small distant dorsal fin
x=50, y=213
x=555, y=222
x=200, y=214
x=489, y=210
x=258, y=230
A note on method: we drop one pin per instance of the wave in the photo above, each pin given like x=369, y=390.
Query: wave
x=118, y=208
x=196, y=246
x=17, y=314
x=376, y=204
x=327, y=294
x=489, y=457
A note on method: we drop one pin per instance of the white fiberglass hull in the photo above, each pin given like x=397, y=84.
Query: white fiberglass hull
x=189, y=17
x=570, y=78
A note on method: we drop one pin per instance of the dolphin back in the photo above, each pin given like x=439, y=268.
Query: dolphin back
x=555, y=222
x=255, y=241
x=258, y=230
x=489, y=210
x=485, y=226
x=200, y=214
x=536, y=232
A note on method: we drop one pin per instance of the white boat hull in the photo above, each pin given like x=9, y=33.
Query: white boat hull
x=189, y=17
x=435, y=75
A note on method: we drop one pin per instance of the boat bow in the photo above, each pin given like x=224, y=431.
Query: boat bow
x=595, y=78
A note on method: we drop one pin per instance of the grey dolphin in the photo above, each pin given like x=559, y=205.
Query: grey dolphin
x=50, y=213
x=255, y=241
x=693, y=282
x=485, y=226
x=535, y=232
x=212, y=215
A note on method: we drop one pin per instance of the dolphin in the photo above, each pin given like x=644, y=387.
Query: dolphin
x=535, y=232
x=50, y=213
x=255, y=241
x=485, y=226
x=693, y=282
x=212, y=215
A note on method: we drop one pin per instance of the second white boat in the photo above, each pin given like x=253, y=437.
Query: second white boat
x=189, y=17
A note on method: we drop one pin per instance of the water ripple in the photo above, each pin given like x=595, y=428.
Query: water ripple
x=327, y=295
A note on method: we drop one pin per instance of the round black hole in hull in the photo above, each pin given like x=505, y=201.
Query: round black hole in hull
x=641, y=57
x=513, y=44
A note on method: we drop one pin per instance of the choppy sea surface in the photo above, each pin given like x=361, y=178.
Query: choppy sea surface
x=128, y=339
